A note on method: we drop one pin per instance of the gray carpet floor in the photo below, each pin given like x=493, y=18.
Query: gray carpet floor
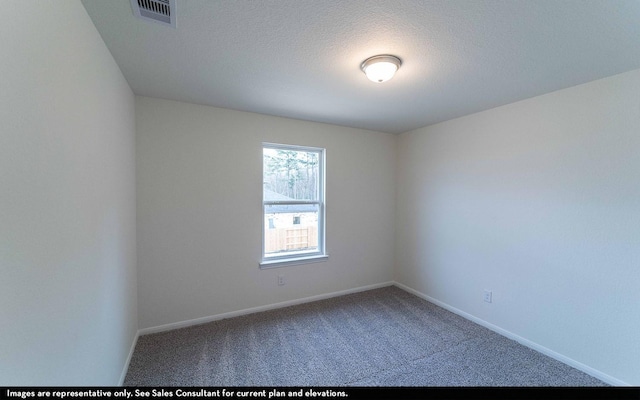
x=381, y=337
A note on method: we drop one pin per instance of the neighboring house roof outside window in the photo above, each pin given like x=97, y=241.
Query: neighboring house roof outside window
x=285, y=208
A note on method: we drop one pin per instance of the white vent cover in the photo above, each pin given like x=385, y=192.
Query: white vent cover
x=160, y=11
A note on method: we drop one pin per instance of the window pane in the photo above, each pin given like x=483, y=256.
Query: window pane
x=290, y=175
x=288, y=237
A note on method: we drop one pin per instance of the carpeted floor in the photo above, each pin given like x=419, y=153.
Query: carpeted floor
x=381, y=337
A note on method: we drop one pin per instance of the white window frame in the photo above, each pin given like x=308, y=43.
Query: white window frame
x=307, y=257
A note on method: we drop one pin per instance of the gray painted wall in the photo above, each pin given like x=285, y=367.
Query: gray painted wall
x=67, y=203
x=539, y=202
x=199, y=175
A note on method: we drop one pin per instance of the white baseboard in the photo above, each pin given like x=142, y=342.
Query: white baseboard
x=204, y=320
x=532, y=345
x=126, y=364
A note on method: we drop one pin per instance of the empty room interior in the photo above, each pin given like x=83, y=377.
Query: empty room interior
x=339, y=193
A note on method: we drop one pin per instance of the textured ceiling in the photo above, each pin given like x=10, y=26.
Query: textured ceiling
x=301, y=58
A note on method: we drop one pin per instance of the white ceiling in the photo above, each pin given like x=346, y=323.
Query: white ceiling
x=301, y=58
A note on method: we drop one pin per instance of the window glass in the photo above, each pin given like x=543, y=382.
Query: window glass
x=293, y=202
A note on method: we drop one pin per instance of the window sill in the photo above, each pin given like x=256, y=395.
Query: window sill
x=293, y=261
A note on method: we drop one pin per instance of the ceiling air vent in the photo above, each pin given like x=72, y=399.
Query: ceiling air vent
x=160, y=11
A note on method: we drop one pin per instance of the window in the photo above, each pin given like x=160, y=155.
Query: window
x=292, y=204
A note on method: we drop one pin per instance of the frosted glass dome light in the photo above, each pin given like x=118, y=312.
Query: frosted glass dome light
x=380, y=68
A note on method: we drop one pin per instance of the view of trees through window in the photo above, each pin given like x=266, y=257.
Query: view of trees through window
x=291, y=198
x=293, y=174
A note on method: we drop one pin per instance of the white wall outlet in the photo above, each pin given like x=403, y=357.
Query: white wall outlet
x=280, y=280
x=487, y=296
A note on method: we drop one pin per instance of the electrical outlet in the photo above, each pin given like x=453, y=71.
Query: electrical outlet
x=487, y=296
x=280, y=280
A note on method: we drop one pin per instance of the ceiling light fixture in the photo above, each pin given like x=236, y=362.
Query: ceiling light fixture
x=380, y=68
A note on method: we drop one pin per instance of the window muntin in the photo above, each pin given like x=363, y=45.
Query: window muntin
x=293, y=203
